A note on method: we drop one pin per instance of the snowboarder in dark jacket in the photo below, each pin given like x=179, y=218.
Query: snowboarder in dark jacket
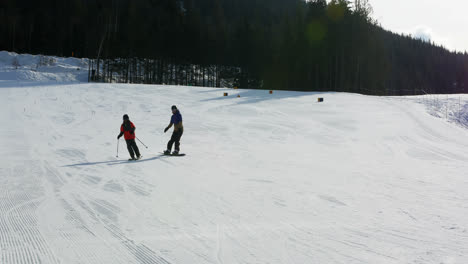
x=176, y=120
x=127, y=129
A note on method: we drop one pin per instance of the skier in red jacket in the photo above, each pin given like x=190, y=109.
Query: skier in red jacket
x=127, y=129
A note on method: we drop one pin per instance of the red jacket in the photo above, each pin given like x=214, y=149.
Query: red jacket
x=128, y=132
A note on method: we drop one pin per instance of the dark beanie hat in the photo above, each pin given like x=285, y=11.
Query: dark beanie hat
x=125, y=117
x=174, y=107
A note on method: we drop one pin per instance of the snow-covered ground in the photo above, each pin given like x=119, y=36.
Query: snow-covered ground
x=26, y=67
x=452, y=108
x=267, y=178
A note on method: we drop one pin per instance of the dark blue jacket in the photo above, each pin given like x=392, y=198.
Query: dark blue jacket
x=176, y=118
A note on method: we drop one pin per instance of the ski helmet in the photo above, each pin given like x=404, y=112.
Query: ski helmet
x=125, y=117
x=174, y=107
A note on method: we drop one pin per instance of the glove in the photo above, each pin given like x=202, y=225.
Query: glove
x=165, y=130
x=118, y=137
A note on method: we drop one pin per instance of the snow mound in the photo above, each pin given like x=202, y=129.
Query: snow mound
x=40, y=68
x=451, y=108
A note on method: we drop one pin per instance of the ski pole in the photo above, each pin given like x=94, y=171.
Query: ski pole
x=118, y=141
x=141, y=142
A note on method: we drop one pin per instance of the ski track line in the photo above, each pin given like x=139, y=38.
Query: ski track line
x=326, y=248
x=141, y=252
x=54, y=177
x=329, y=251
x=76, y=219
x=83, y=250
x=219, y=250
x=105, y=223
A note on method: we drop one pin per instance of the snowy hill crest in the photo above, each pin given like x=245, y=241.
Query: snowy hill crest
x=25, y=67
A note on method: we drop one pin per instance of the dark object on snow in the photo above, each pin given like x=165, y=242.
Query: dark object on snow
x=176, y=120
x=175, y=138
x=173, y=154
x=133, y=159
x=133, y=148
x=320, y=100
x=127, y=129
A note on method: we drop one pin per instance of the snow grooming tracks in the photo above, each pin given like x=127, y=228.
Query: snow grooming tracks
x=260, y=184
x=20, y=238
x=141, y=252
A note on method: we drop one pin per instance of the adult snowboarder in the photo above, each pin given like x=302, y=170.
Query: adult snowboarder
x=176, y=120
x=127, y=129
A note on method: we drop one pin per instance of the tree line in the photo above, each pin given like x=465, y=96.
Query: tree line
x=267, y=44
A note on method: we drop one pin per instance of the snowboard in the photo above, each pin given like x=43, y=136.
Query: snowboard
x=175, y=155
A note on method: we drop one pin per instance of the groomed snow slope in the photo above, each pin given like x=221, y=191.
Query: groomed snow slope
x=267, y=178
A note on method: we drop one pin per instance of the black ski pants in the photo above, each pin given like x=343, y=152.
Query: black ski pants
x=132, y=148
x=176, y=135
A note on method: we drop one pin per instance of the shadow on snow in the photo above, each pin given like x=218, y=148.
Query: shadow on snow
x=114, y=162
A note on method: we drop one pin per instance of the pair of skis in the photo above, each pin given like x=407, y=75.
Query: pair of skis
x=172, y=154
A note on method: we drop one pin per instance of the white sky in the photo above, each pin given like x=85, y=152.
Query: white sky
x=443, y=21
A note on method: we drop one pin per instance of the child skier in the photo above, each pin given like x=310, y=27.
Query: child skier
x=127, y=129
x=176, y=120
